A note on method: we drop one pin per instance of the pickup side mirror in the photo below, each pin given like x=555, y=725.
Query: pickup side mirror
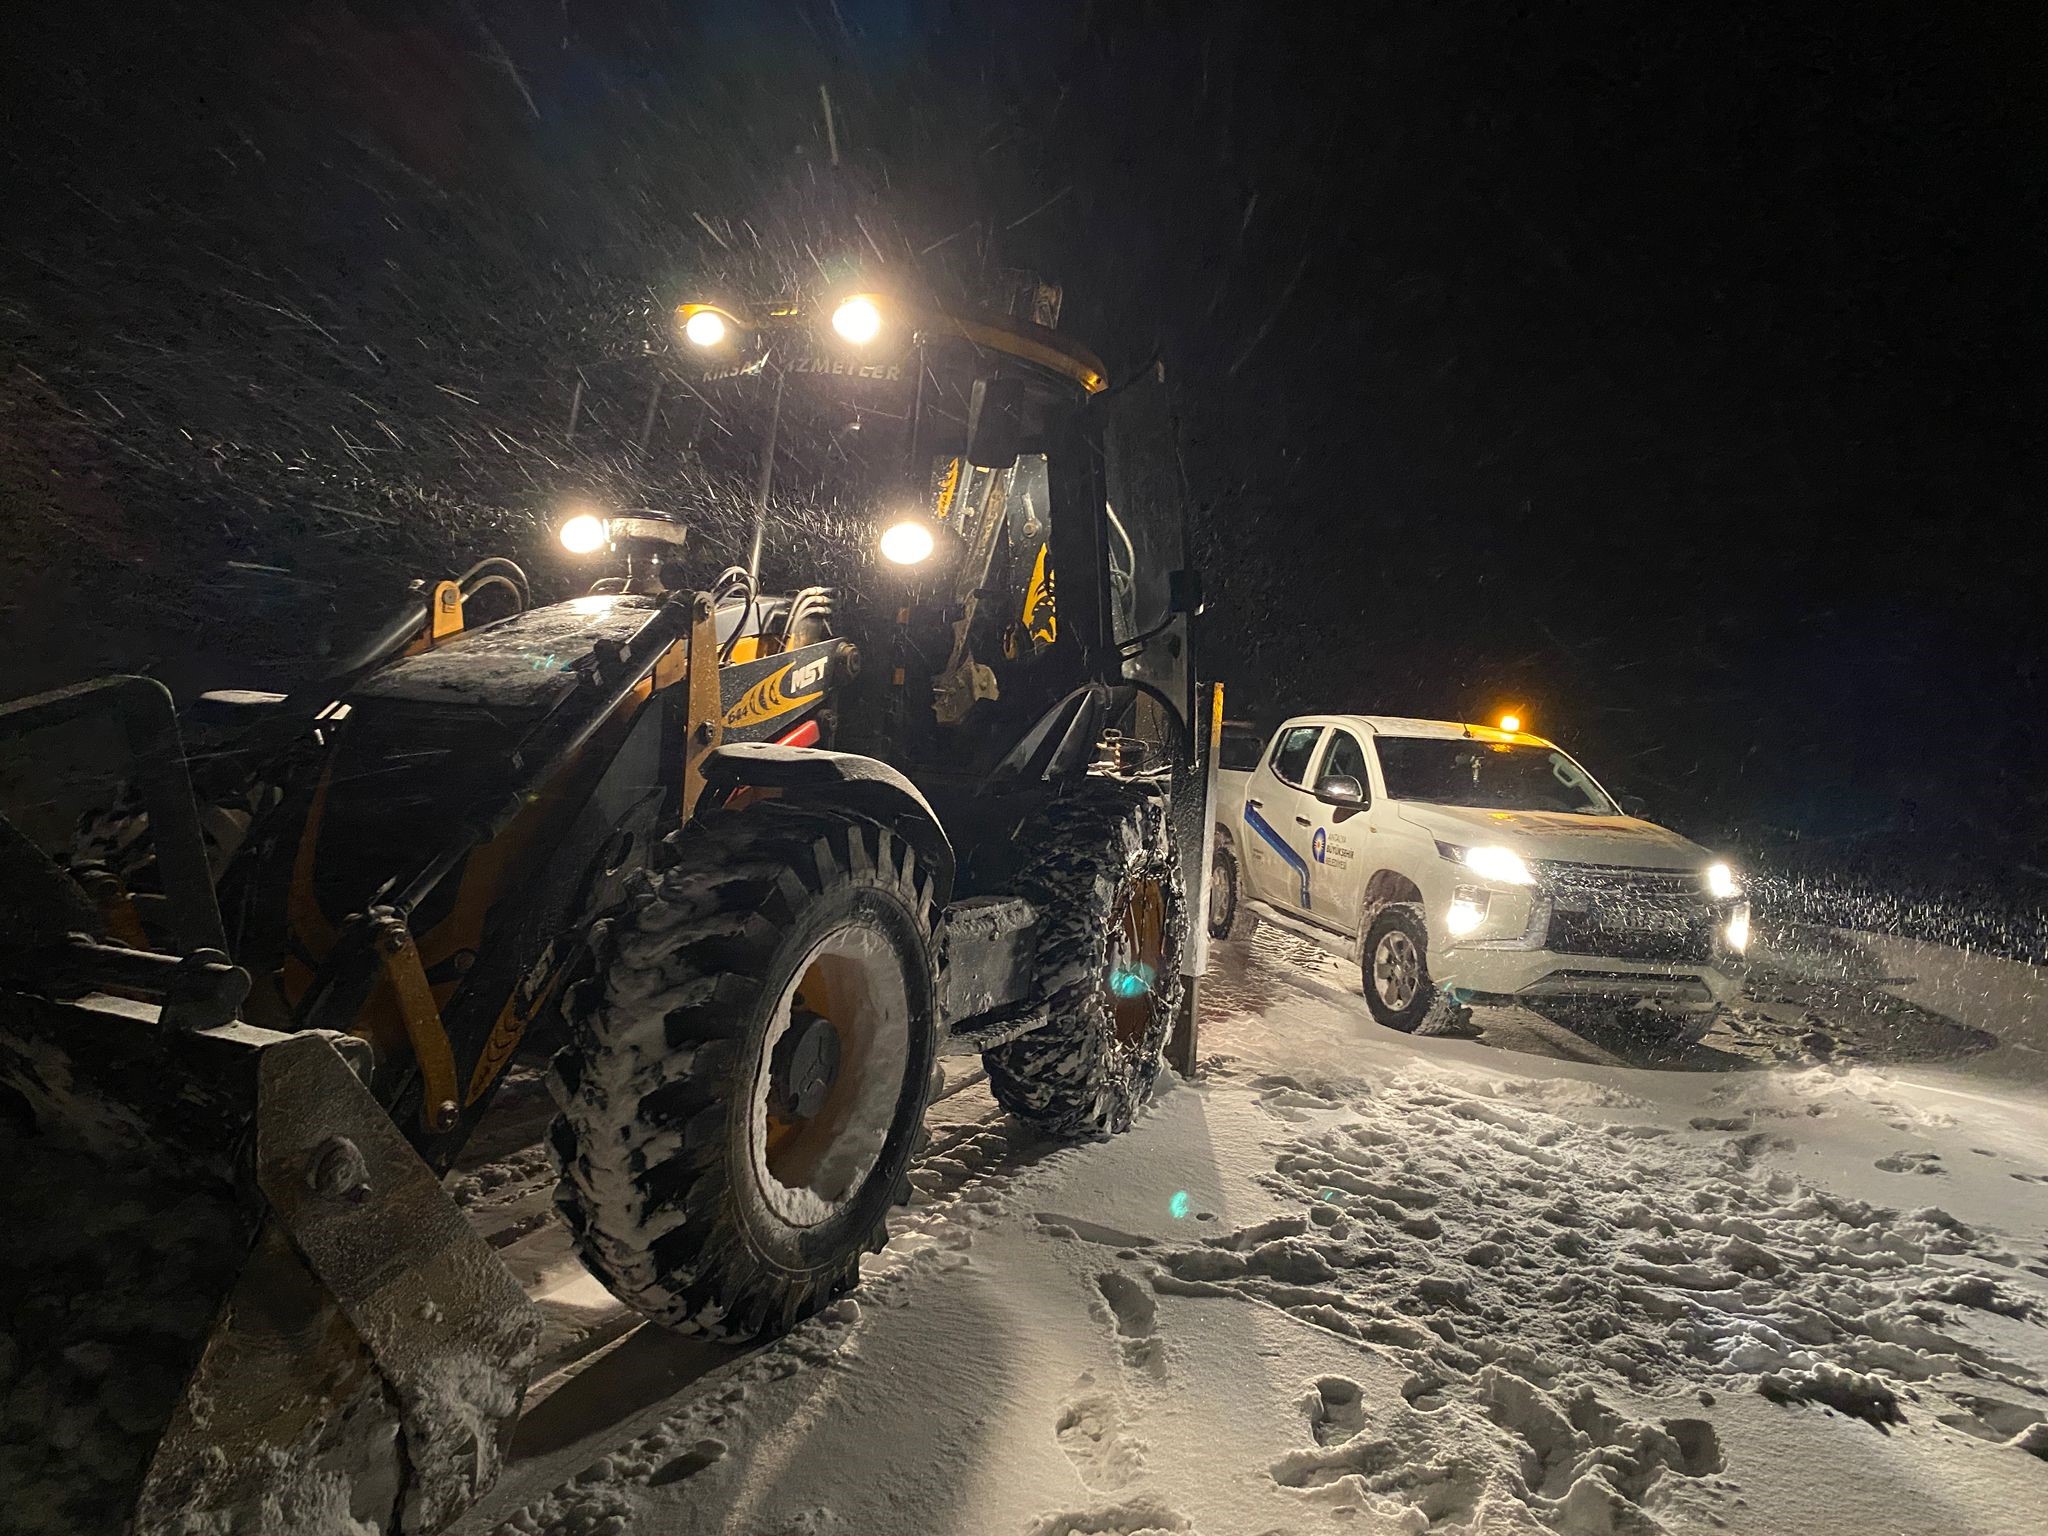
x=1340, y=789
x=1633, y=805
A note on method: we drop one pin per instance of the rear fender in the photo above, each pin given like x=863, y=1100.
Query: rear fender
x=816, y=777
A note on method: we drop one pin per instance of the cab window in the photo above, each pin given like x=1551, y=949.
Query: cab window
x=1347, y=758
x=1292, y=752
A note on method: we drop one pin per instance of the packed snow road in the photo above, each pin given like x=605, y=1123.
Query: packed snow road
x=1546, y=1279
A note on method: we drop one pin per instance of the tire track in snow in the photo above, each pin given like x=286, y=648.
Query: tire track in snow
x=661, y=1391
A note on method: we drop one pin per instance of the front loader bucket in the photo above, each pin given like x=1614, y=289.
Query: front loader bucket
x=234, y=1299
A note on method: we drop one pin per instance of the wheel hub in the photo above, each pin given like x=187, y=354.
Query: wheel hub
x=1396, y=970
x=804, y=1066
x=1137, y=952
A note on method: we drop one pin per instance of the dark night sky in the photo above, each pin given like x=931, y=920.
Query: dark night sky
x=1672, y=372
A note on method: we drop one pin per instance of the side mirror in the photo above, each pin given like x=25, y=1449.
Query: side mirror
x=995, y=423
x=1633, y=805
x=1340, y=789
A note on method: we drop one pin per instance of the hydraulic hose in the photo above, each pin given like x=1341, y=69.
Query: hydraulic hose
x=498, y=568
x=493, y=579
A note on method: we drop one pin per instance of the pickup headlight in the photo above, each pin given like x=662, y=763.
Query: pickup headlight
x=1721, y=882
x=1500, y=864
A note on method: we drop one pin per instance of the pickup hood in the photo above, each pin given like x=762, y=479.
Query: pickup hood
x=1553, y=835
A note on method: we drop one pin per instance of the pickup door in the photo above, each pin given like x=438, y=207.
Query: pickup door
x=1338, y=855
x=1243, y=749
x=1279, y=820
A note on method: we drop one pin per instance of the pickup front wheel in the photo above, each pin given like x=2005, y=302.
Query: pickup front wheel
x=1395, y=961
x=1229, y=917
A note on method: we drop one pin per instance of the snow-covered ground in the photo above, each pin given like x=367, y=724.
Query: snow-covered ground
x=1791, y=1280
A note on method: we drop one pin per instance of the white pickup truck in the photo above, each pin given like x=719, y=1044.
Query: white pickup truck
x=1465, y=864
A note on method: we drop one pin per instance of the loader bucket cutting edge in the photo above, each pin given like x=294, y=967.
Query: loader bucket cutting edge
x=237, y=1299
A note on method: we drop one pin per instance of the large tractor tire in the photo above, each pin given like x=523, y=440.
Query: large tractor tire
x=1111, y=928
x=748, y=1067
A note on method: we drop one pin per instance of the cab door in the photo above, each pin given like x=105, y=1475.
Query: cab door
x=1277, y=824
x=1338, y=841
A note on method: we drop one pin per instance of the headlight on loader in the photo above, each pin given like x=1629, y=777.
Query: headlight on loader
x=1721, y=882
x=858, y=319
x=908, y=542
x=584, y=534
x=706, y=328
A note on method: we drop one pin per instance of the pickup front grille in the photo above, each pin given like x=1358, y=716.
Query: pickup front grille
x=1619, y=880
x=1625, y=913
x=1583, y=933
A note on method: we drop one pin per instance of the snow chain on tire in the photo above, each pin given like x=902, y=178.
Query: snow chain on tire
x=1080, y=1075
x=659, y=1145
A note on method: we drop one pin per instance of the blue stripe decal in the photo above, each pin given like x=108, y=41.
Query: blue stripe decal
x=1279, y=845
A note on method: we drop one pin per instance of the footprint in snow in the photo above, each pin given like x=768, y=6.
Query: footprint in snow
x=693, y=1460
x=1988, y=1418
x=1911, y=1162
x=1827, y=1385
x=1720, y=1122
x=1567, y=1433
x=1091, y=1231
x=1287, y=1098
x=1319, y=1468
x=1134, y=1312
x=816, y=1521
x=1090, y=1429
x=1424, y=1393
x=1335, y=1409
x=1135, y=1517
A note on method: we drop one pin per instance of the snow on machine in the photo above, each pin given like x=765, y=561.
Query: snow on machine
x=1470, y=864
x=758, y=860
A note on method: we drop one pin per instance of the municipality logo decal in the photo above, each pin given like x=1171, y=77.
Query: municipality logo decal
x=1320, y=844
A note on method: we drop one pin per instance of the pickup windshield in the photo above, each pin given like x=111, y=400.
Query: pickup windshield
x=1489, y=775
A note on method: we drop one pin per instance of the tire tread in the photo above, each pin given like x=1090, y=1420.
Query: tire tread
x=651, y=1069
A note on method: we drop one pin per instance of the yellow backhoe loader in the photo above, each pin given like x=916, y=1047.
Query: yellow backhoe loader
x=754, y=861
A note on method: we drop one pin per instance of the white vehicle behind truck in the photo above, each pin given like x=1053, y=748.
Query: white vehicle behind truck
x=1465, y=864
